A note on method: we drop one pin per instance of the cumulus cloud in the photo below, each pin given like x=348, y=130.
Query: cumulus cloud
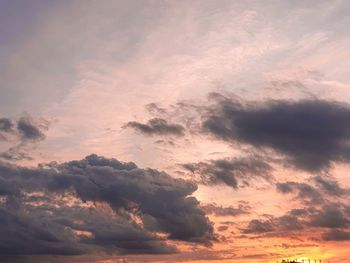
x=157, y=126
x=310, y=134
x=96, y=204
x=230, y=171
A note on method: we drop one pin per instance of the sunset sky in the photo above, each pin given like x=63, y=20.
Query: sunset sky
x=174, y=131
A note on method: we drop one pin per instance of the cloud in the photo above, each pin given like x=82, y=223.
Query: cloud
x=21, y=235
x=29, y=130
x=274, y=225
x=310, y=134
x=329, y=216
x=242, y=209
x=96, y=204
x=259, y=226
x=231, y=171
x=21, y=133
x=330, y=186
x=336, y=235
x=6, y=125
x=15, y=153
x=305, y=192
x=157, y=126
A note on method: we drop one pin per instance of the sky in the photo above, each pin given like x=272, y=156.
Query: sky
x=174, y=131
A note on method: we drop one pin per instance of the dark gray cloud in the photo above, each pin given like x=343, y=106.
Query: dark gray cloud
x=157, y=126
x=305, y=193
x=259, y=226
x=277, y=225
x=231, y=171
x=241, y=209
x=15, y=153
x=138, y=204
x=325, y=206
x=6, y=125
x=329, y=216
x=330, y=186
x=22, y=234
x=310, y=134
x=21, y=133
x=29, y=130
x=336, y=235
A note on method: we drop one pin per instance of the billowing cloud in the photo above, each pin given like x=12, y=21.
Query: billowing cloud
x=231, y=172
x=96, y=204
x=157, y=126
x=310, y=134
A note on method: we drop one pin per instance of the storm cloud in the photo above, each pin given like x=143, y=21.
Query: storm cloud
x=310, y=134
x=96, y=204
